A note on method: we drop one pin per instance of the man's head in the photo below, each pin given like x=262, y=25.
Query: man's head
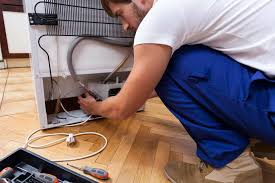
x=129, y=12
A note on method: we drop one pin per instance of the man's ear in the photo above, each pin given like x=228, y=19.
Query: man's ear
x=139, y=2
x=143, y=2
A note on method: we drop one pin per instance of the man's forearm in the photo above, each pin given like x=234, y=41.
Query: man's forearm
x=114, y=107
x=138, y=86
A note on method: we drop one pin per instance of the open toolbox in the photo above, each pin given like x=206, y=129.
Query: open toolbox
x=26, y=166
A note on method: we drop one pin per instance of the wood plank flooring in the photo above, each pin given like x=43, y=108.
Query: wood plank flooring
x=138, y=147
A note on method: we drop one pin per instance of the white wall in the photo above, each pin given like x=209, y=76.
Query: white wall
x=17, y=31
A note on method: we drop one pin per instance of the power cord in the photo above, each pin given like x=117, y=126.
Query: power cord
x=70, y=138
x=61, y=104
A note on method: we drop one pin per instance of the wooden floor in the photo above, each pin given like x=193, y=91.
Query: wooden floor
x=138, y=148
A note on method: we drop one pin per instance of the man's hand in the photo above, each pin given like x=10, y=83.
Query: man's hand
x=87, y=103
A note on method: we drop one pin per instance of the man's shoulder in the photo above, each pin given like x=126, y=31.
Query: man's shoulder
x=181, y=8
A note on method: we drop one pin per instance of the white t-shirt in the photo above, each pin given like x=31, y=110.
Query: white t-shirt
x=242, y=29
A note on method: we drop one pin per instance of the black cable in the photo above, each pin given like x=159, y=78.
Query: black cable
x=49, y=63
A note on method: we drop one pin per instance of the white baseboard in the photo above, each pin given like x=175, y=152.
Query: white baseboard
x=2, y=65
x=14, y=63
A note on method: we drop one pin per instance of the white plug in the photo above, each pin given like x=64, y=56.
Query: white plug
x=70, y=140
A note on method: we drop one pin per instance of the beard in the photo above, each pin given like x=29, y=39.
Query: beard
x=138, y=13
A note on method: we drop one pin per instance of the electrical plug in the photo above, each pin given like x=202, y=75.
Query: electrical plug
x=71, y=140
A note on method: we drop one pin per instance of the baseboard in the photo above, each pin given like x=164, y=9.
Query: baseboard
x=2, y=65
x=15, y=63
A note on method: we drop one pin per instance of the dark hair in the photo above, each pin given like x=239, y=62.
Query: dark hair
x=105, y=5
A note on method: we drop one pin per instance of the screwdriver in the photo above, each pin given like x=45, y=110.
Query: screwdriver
x=6, y=172
x=43, y=177
x=95, y=172
x=5, y=180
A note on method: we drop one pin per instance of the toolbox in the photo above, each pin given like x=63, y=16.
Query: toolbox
x=26, y=165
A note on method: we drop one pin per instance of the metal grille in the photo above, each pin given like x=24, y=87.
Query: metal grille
x=82, y=18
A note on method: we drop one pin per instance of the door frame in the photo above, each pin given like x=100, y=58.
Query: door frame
x=14, y=6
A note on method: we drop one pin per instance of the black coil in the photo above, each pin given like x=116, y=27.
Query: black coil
x=81, y=18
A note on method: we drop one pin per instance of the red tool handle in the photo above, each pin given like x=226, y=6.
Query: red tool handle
x=96, y=172
x=6, y=172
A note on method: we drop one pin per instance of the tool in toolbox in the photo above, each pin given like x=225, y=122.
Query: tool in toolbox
x=6, y=172
x=24, y=163
x=43, y=177
x=5, y=180
x=95, y=172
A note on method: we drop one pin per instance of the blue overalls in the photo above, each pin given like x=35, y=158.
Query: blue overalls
x=221, y=103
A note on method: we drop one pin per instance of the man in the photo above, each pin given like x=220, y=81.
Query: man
x=220, y=102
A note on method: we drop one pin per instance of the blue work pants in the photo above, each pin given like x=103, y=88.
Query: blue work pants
x=220, y=102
